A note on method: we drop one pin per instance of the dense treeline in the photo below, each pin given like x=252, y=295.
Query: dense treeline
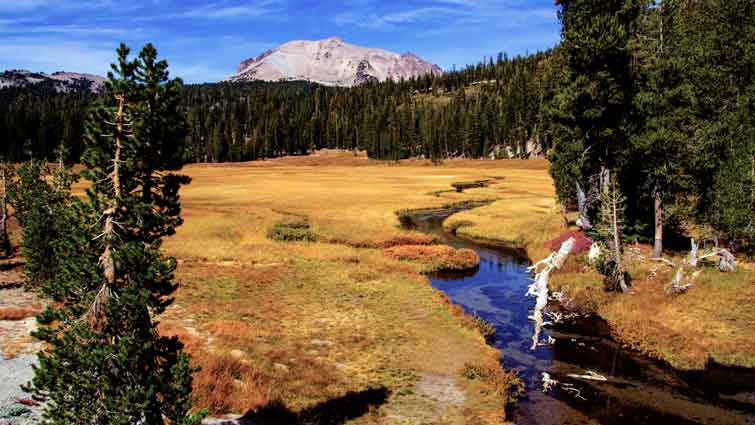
x=37, y=118
x=659, y=96
x=491, y=109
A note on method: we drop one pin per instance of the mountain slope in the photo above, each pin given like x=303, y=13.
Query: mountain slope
x=63, y=82
x=332, y=62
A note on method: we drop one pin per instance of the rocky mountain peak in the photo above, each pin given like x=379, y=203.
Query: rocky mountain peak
x=333, y=62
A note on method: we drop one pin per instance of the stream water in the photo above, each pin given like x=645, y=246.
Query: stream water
x=638, y=390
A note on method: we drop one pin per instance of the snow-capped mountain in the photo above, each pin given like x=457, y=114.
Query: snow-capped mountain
x=332, y=62
x=63, y=82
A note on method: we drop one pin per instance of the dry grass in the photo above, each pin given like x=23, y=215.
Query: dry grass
x=302, y=323
x=524, y=215
x=18, y=313
x=311, y=322
x=436, y=257
x=715, y=320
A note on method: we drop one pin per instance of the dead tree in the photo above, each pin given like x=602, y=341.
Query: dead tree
x=108, y=235
x=539, y=288
x=5, y=248
x=584, y=217
x=658, y=243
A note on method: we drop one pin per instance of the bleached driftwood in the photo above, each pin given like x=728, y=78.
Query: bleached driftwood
x=726, y=263
x=589, y=375
x=539, y=288
x=677, y=287
x=548, y=382
x=681, y=283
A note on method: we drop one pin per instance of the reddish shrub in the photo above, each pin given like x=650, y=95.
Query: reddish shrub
x=582, y=245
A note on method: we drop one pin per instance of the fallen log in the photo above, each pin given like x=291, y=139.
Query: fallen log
x=539, y=288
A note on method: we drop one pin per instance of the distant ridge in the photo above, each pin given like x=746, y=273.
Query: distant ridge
x=63, y=82
x=332, y=62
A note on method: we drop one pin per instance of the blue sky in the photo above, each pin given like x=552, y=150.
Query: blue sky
x=205, y=41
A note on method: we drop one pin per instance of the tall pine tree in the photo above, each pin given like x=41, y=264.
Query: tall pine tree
x=106, y=362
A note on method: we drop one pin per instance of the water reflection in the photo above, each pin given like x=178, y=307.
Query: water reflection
x=638, y=391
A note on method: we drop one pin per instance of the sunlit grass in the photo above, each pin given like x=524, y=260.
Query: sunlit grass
x=307, y=321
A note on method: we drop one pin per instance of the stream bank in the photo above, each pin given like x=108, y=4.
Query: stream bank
x=631, y=388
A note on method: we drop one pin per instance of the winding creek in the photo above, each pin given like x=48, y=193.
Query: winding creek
x=638, y=390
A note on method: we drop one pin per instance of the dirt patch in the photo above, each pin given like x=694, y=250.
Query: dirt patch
x=434, y=399
x=17, y=310
x=442, y=389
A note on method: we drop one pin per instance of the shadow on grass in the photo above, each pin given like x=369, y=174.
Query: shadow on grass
x=334, y=411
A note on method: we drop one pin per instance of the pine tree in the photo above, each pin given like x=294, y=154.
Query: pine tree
x=40, y=200
x=594, y=90
x=106, y=362
x=609, y=229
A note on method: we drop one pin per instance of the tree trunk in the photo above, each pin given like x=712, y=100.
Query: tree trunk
x=584, y=218
x=605, y=178
x=658, y=246
x=564, y=215
x=4, y=241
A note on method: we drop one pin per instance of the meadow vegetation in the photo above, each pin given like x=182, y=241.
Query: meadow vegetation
x=296, y=323
x=276, y=319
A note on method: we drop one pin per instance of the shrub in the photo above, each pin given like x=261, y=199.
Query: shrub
x=298, y=231
x=506, y=384
x=462, y=186
x=487, y=330
x=436, y=257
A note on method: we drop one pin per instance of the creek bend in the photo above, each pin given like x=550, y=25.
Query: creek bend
x=638, y=390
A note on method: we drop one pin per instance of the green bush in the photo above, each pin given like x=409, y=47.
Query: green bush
x=298, y=231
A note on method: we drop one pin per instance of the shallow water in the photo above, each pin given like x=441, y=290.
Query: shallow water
x=638, y=390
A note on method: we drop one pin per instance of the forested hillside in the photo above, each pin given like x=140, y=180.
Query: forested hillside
x=491, y=109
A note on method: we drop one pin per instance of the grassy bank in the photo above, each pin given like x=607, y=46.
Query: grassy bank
x=714, y=321
x=301, y=293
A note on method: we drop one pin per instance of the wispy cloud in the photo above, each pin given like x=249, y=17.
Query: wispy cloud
x=223, y=10
x=226, y=10
x=451, y=13
x=41, y=55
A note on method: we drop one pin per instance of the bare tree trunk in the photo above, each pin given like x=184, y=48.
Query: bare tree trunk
x=584, y=219
x=605, y=178
x=106, y=260
x=658, y=246
x=4, y=241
